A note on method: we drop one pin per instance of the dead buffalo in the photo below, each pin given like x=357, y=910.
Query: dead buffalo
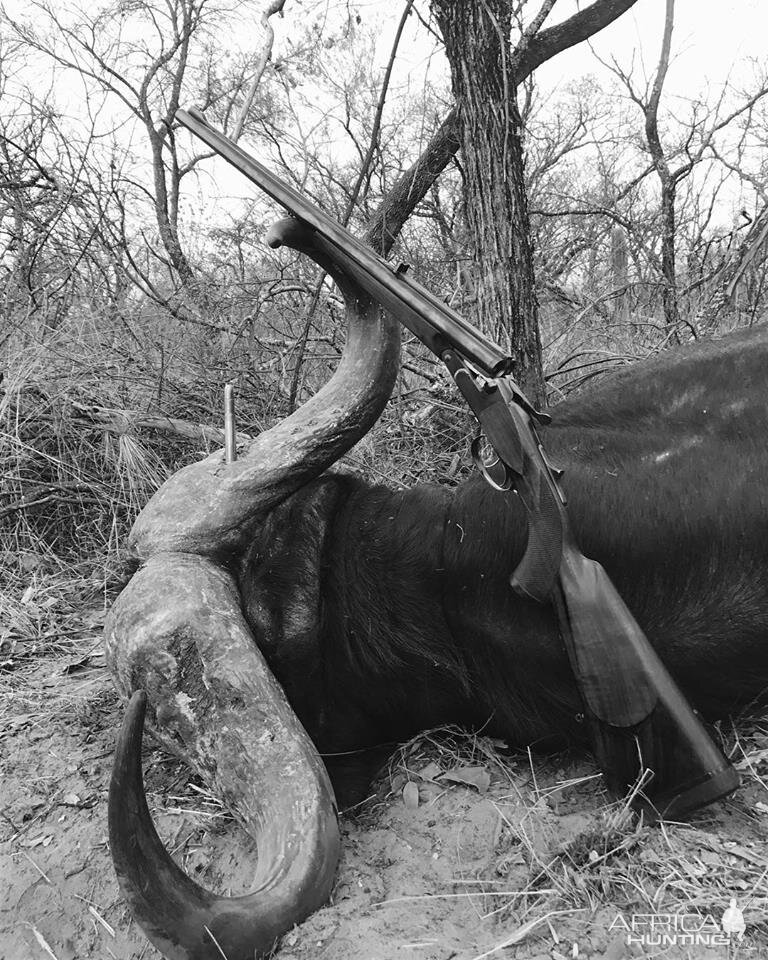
x=381, y=613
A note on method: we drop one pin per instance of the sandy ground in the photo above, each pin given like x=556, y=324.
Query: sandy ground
x=491, y=855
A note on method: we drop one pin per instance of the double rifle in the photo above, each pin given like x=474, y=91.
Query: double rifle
x=646, y=737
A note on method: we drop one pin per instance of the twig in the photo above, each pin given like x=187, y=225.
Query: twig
x=41, y=940
x=275, y=6
x=39, y=869
x=26, y=504
x=522, y=932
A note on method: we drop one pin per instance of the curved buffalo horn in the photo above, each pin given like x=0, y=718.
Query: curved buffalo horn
x=180, y=620
x=177, y=631
x=184, y=920
x=211, y=507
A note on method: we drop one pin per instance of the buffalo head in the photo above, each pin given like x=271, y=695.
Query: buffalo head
x=177, y=634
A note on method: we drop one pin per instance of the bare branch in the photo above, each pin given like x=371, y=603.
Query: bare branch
x=413, y=186
x=529, y=33
x=581, y=26
x=652, y=107
x=273, y=7
x=128, y=421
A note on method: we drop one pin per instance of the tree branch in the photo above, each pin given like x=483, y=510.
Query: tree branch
x=652, y=108
x=414, y=184
x=128, y=421
x=581, y=26
x=273, y=7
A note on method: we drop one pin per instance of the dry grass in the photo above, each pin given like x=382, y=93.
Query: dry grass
x=567, y=859
x=71, y=489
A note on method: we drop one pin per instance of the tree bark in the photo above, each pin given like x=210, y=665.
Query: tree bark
x=415, y=183
x=477, y=43
x=166, y=221
x=485, y=72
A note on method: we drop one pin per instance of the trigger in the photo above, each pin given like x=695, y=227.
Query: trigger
x=490, y=465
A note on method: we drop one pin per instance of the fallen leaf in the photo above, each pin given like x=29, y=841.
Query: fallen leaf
x=709, y=858
x=477, y=777
x=30, y=591
x=30, y=562
x=411, y=795
x=76, y=665
x=398, y=782
x=71, y=800
x=759, y=756
x=43, y=840
x=762, y=807
x=430, y=772
x=738, y=851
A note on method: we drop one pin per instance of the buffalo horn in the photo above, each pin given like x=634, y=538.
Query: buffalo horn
x=184, y=920
x=214, y=701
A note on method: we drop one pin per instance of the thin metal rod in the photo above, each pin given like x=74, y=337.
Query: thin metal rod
x=230, y=446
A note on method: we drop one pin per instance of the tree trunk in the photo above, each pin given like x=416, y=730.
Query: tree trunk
x=620, y=274
x=668, y=266
x=667, y=179
x=477, y=42
x=166, y=222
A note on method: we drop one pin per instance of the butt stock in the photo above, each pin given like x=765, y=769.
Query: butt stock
x=643, y=731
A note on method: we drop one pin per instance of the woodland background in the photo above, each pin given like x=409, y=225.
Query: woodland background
x=135, y=282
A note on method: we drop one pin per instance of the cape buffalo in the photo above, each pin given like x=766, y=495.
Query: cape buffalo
x=381, y=613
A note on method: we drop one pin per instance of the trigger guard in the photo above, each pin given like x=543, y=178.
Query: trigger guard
x=495, y=473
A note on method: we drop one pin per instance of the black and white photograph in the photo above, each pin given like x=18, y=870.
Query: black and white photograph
x=383, y=480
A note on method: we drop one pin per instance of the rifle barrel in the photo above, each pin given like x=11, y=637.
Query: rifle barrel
x=401, y=290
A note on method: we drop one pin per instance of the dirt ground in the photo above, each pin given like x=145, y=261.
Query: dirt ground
x=464, y=852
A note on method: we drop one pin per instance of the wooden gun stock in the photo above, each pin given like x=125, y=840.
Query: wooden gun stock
x=639, y=719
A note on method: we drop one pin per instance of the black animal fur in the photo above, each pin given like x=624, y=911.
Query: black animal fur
x=383, y=613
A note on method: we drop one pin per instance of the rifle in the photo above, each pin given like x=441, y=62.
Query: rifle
x=642, y=730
